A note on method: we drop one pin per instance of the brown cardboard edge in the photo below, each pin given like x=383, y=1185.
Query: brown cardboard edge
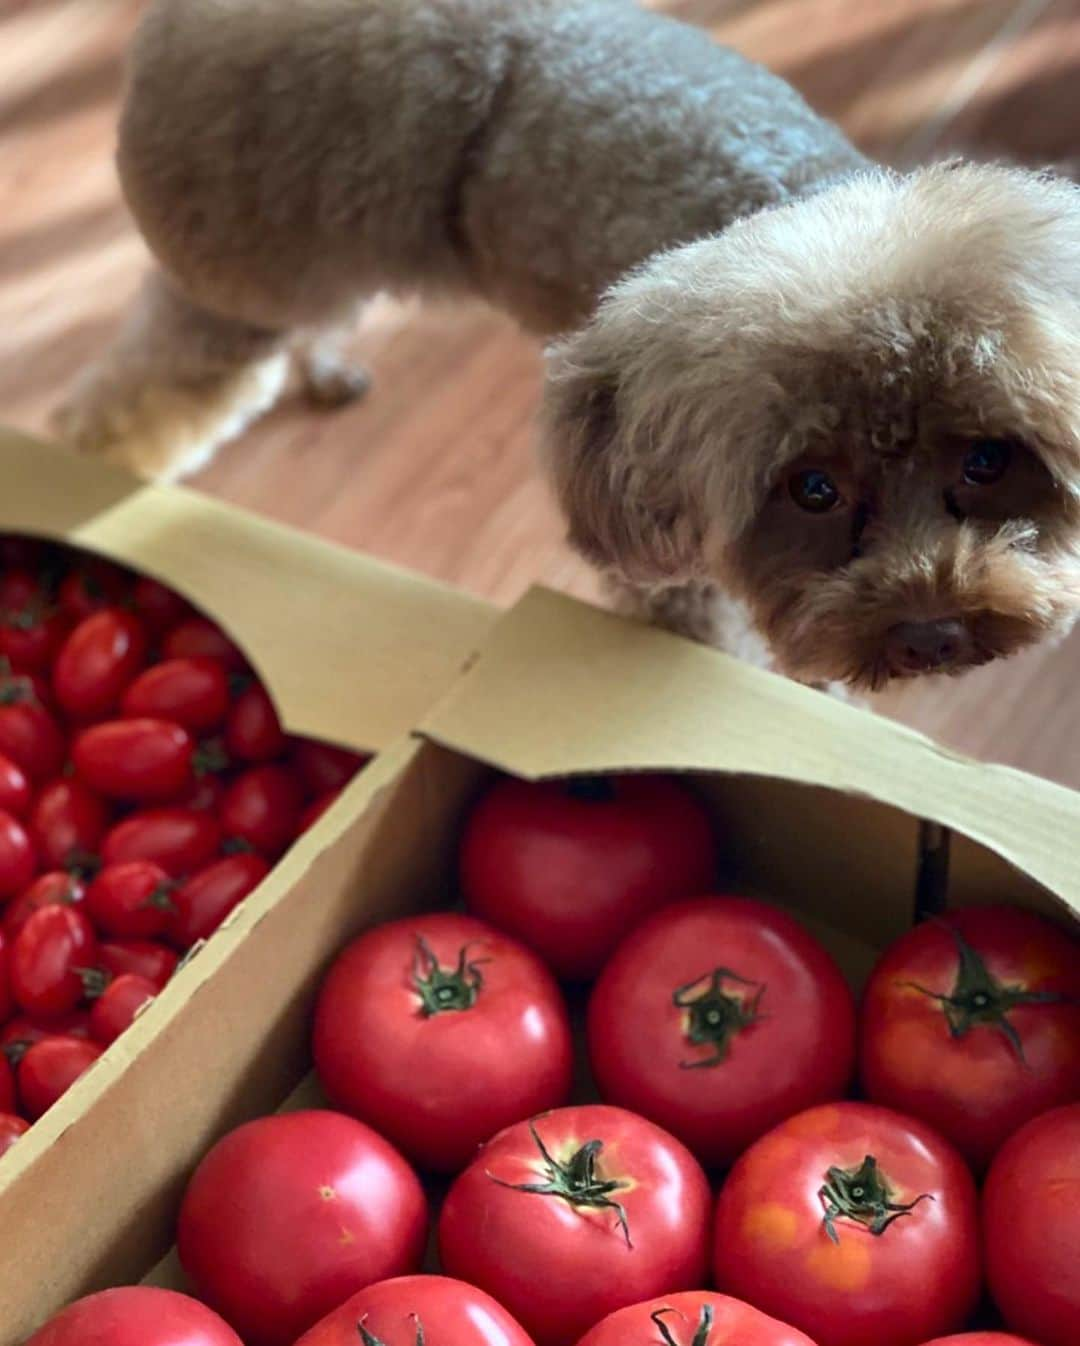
x=354, y=651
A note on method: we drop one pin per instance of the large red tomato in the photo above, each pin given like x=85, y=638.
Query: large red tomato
x=1031, y=1228
x=570, y=867
x=412, y=1310
x=135, y=759
x=718, y=1018
x=972, y=1023
x=180, y=840
x=67, y=823
x=98, y=660
x=288, y=1216
x=853, y=1223
x=693, y=1318
x=574, y=1215
x=447, y=1000
x=136, y=1315
x=190, y=692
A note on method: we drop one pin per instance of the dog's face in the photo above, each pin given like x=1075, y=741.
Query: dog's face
x=860, y=412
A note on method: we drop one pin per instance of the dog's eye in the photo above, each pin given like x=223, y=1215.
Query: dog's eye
x=986, y=461
x=814, y=491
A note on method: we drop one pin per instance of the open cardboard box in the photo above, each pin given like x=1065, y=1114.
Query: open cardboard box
x=352, y=652
x=841, y=816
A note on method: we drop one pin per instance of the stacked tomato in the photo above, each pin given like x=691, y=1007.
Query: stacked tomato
x=146, y=787
x=730, y=1189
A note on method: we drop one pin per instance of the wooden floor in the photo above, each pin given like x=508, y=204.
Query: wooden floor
x=434, y=469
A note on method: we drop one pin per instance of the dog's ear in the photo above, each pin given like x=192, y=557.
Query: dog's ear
x=626, y=503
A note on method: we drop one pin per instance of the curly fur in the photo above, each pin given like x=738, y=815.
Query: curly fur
x=769, y=299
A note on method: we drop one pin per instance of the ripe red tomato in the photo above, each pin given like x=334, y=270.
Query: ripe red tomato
x=288, y=1216
x=91, y=587
x=54, y=888
x=981, y=1339
x=180, y=840
x=131, y=900
x=115, y=1009
x=135, y=1315
x=717, y=1018
x=197, y=638
x=262, y=807
x=17, y=860
x=1031, y=1228
x=7, y=1086
x=323, y=767
x=570, y=867
x=316, y=809
x=448, y=1000
x=11, y=1128
x=142, y=957
x=592, y=1200
x=30, y=634
x=193, y=693
x=159, y=607
x=7, y=1000
x=413, y=1309
x=49, y=1069
x=253, y=732
x=135, y=759
x=19, y=1034
x=204, y=795
x=854, y=1224
x=30, y=736
x=972, y=1023
x=202, y=902
x=67, y=824
x=98, y=660
x=18, y=587
x=694, y=1318
x=47, y=958
x=15, y=791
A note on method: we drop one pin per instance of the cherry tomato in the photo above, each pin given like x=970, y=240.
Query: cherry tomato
x=135, y=759
x=413, y=1309
x=54, y=888
x=7, y=999
x=570, y=867
x=91, y=587
x=49, y=1069
x=132, y=900
x=20, y=1033
x=48, y=957
x=135, y=1315
x=31, y=635
x=972, y=1022
x=18, y=587
x=202, y=902
x=593, y=1200
x=323, y=767
x=116, y=1008
x=197, y=638
x=67, y=824
x=450, y=1001
x=1031, y=1228
x=15, y=792
x=253, y=732
x=17, y=859
x=193, y=693
x=288, y=1216
x=262, y=807
x=694, y=1318
x=854, y=1224
x=180, y=840
x=159, y=607
x=100, y=657
x=316, y=809
x=11, y=1128
x=7, y=1086
x=717, y=1018
x=155, y=962
x=31, y=737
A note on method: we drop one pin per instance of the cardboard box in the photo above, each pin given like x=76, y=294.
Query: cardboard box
x=843, y=817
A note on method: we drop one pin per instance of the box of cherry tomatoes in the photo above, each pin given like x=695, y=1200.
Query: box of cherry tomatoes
x=186, y=693
x=634, y=998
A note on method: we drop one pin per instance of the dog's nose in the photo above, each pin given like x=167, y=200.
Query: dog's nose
x=927, y=647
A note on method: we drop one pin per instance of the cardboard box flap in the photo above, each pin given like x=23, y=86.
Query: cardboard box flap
x=352, y=650
x=563, y=688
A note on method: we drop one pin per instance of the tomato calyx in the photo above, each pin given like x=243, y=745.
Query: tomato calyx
x=575, y=1181
x=714, y=1017
x=95, y=980
x=370, y=1339
x=81, y=864
x=701, y=1335
x=442, y=990
x=591, y=789
x=16, y=1050
x=210, y=758
x=979, y=998
x=862, y=1196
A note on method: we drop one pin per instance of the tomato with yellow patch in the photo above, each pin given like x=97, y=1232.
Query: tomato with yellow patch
x=853, y=1223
